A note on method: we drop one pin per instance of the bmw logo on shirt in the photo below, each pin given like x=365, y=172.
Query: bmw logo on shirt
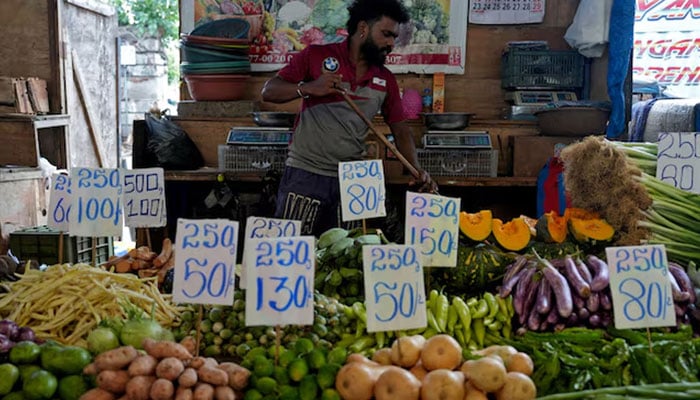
x=331, y=64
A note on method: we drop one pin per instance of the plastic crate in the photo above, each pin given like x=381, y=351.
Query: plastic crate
x=459, y=163
x=529, y=69
x=252, y=158
x=40, y=243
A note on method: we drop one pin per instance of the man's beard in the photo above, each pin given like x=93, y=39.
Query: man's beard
x=373, y=54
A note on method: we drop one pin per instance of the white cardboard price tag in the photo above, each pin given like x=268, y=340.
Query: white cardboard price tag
x=362, y=190
x=432, y=224
x=678, y=160
x=205, y=259
x=96, y=209
x=506, y=11
x=144, y=198
x=60, y=199
x=394, y=288
x=280, y=281
x=640, y=286
x=260, y=227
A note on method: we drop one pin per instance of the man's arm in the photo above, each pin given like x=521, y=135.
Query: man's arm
x=405, y=144
x=277, y=90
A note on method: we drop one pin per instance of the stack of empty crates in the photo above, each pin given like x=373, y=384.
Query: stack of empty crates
x=41, y=244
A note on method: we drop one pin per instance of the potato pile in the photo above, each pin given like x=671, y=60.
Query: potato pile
x=432, y=369
x=165, y=370
x=144, y=262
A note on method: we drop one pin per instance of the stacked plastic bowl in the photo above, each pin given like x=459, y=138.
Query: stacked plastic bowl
x=215, y=62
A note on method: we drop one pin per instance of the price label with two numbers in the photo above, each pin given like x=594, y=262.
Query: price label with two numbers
x=261, y=227
x=96, y=207
x=60, y=199
x=280, y=281
x=678, y=160
x=432, y=224
x=362, y=190
x=640, y=287
x=394, y=288
x=144, y=198
x=205, y=258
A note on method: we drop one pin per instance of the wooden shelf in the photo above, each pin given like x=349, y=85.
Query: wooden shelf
x=211, y=174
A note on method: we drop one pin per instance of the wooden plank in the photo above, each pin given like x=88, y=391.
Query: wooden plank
x=7, y=91
x=88, y=109
x=38, y=96
x=21, y=144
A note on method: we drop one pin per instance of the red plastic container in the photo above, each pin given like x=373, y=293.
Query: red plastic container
x=217, y=87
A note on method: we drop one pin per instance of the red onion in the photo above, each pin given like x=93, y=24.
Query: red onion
x=5, y=344
x=26, y=333
x=9, y=329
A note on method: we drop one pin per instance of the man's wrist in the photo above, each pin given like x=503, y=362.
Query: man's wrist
x=300, y=92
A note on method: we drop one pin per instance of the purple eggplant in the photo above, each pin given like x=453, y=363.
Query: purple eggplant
x=553, y=316
x=510, y=283
x=579, y=303
x=683, y=280
x=583, y=314
x=680, y=311
x=605, y=302
x=600, y=273
x=560, y=289
x=515, y=267
x=676, y=292
x=583, y=270
x=595, y=320
x=534, y=319
x=578, y=284
x=9, y=328
x=593, y=302
x=521, y=291
x=543, y=303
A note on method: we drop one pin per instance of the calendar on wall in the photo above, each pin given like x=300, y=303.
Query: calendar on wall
x=506, y=11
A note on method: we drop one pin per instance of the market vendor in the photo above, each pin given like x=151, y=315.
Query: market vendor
x=328, y=131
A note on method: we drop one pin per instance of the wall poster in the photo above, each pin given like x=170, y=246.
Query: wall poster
x=433, y=41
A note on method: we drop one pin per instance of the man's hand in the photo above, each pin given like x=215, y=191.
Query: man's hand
x=324, y=85
x=425, y=183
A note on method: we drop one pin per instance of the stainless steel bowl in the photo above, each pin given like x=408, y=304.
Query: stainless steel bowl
x=274, y=118
x=446, y=121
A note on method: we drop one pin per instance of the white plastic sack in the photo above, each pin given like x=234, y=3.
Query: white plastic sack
x=588, y=33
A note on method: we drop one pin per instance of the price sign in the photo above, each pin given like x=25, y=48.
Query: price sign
x=144, y=198
x=394, y=288
x=96, y=209
x=60, y=199
x=678, y=160
x=205, y=258
x=362, y=190
x=260, y=227
x=640, y=286
x=280, y=281
x=432, y=224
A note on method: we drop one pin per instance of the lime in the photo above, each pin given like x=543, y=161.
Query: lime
x=26, y=370
x=286, y=358
x=281, y=375
x=308, y=389
x=326, y=375
x=252, y=394
x=14, y=396
x=266, y=385
x=272, y=350
x=337, y=356
x=298, y=369
x=262, y=366
x=288, y=393
x=40, y=385
x=255, y=352
x=49, y=351
x=25, y=352
x=71, y=387
x=9, y=375
x=316, y=358
x=102, y=339
x=242, y=349
x=303, y=346
x=71, y=360
x=330, y=394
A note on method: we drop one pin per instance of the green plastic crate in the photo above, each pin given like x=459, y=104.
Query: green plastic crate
x=542, y=69
x=40, y=243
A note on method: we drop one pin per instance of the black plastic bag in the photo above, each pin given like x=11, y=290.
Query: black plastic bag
x=170, y=144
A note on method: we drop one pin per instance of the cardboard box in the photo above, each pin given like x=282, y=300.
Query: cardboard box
x=530, y=153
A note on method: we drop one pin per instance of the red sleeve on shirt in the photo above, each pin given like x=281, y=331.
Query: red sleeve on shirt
x=297, y=68
x=392, y=109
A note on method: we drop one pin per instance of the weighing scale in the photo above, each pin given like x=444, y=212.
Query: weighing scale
x=457, y=140
x=526, y=103
x=262, y=136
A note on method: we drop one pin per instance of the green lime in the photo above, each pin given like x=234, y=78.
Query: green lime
x=71, y=360
x=255, y=352
x=266, y=385
x=272, y=350
x=25, y=352
x=71, y=387
x=330, y=394
x=288, y=393
x=242, y=349
x=49, y=351
x=286, y=358
x=326, y=375
x=40, y=385
x=308, y=389
x=9, y=375
x=281, y=375
x=19, y=395
x=337, y=355
x=262, y=366
x=252, y=394
x=297, y=369
x=303, y=346
x=26, y=370
x=102, y=339
x=316, y=358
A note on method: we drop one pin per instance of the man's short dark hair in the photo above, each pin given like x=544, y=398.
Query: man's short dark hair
x=372, y=11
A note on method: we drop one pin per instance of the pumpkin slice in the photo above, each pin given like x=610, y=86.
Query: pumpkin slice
x=513, y=235
x=551, y=228
x=475, y=226
x=594, y=230
x=575, y=212
x=531, y=222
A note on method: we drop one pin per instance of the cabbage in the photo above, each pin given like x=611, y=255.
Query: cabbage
x=101, y=340
x=135, y=331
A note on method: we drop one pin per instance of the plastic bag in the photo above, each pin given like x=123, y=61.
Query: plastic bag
x=170, y=144
x=588, y=33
